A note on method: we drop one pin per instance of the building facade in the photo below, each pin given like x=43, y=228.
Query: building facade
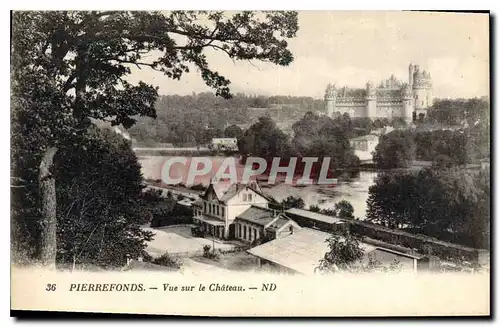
x=221, y=204
x=391, y=99
x=259, y=223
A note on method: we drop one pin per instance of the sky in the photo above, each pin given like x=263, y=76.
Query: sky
x=352, y=48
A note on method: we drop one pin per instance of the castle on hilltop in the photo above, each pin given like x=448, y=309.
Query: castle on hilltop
x=392, y=98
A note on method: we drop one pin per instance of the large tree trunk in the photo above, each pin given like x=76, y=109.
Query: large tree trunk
x=48, y=221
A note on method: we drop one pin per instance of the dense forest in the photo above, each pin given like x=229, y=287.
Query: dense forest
x=451, y=204
x=195, y=119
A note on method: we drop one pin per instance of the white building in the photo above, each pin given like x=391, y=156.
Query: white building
x=239, y=211
x=225, y=143
x=222, y=203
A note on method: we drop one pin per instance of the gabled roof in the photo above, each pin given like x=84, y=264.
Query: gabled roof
x=281, y=221
x=226, y=191
x=257, y=215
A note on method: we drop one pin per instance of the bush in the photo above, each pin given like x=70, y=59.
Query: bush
x=210, y=254
x=167, y=261
x=314, y=208
x=198, y=187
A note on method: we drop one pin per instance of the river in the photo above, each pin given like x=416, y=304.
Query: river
x=353, y=189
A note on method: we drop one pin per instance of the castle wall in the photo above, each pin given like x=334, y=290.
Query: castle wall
x=384, y=108
x=420, y=98
x=389, y=109
x=392, y=99
x=353, y=107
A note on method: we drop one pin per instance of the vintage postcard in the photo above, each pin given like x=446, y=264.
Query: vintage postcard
x=251, y=164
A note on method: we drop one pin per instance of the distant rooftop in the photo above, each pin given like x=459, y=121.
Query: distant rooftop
x=369, y=137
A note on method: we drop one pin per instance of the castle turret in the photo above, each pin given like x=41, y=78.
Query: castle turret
x=422, y=89
x=410, y=75
x=371, y=100
x=330, y=99
x=407, y=98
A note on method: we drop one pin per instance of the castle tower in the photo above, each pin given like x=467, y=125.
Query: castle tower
x=407, y=97
x=371, y=100
x=410, y=75
x=422, y=89
x=330, y=99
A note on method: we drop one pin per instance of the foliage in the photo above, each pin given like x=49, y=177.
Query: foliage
x=233, y=131
x=344, y=252
x=198, y=187
x=168, y=261
x=314, y=208
x=460, y=111
x=362, y=126
x=321, y=136
x=166, y=213
x=101, y=203
x=344, y=209
x=292, y=202
x=381, y=122
x=264, y=139
x=210, y=254
x=399, y=148
x=396, y=149
x=461, y=146
x=449, y=204
x=179, y=122
x=71, y=67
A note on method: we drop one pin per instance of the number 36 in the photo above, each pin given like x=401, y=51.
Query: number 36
x=50, y=287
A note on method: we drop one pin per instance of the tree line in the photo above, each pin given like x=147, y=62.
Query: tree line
x=197, y=118
x=399, y=148
x=451, y=204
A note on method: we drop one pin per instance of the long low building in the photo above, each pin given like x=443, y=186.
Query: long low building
x=301, y=252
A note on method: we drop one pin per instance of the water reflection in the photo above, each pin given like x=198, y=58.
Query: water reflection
x=351, y=186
